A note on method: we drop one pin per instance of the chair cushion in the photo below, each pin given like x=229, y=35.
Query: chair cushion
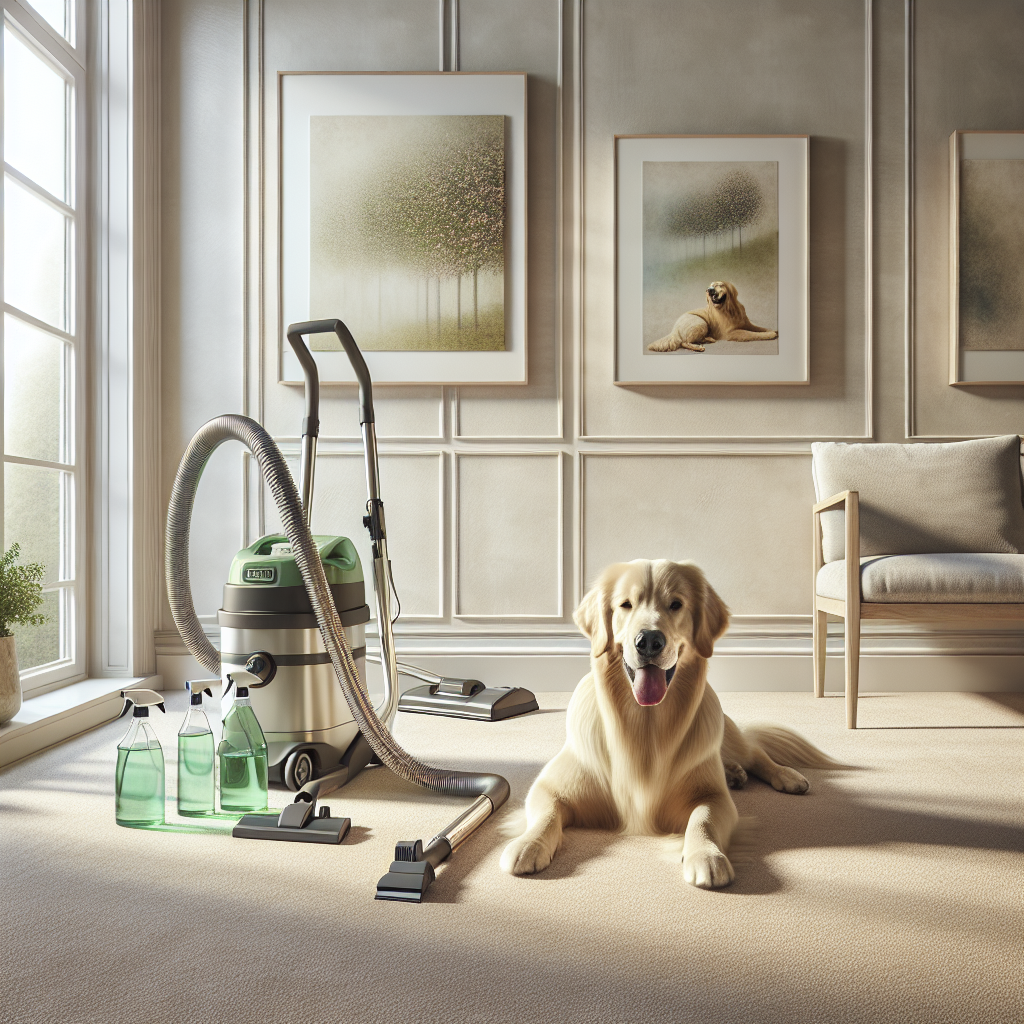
x=931, y=579
x=924, y=498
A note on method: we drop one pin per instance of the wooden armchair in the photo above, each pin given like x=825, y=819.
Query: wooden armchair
x=944, y=539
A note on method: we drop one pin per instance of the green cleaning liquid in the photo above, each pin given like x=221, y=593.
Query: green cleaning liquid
x=196, y=792
x=139, y=775
x=243, y=757
x=243, y=782
x=195, y=774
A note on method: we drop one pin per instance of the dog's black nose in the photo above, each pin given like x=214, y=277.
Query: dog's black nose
x=649, y=643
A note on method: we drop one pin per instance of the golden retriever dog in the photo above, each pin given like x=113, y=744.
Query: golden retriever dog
x=722, y=319
x=648, y=749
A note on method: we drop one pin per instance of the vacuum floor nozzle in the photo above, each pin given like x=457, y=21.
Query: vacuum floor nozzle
x=406, y=881
x=319, y=830
x=483, y=703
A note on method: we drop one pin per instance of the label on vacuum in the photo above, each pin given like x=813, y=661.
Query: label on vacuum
x=260, y=574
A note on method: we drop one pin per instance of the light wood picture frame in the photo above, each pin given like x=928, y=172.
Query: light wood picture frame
x=986, y=257
x=366, y=205
x=697, y=211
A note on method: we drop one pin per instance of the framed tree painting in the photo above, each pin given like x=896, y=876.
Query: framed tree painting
x=986, y=286
x=711, y=259
x=403, y=213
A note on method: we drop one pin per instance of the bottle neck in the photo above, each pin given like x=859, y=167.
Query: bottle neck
x=195, y=720
x=140, y=734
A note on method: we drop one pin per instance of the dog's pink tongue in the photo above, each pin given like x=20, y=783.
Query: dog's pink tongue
x=649, y=685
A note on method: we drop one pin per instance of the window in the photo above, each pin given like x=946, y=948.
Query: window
x=43, y=324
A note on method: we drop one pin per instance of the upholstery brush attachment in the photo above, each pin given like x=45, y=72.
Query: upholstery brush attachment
x=297, y=823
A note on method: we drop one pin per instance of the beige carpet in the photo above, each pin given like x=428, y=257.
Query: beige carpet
x=890, y=894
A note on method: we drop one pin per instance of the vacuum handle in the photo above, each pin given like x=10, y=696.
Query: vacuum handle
x=311, y=426
x=355, y=357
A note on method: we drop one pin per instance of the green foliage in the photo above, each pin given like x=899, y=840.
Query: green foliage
x=20, y=592
x=443, y=214
x=734, y=202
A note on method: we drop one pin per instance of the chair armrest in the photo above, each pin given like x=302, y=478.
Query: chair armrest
x=837, y=499
x=849, y=501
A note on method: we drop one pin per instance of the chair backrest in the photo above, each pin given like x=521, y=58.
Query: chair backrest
x=924, y=498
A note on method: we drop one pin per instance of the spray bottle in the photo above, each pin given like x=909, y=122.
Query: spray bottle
x=243, y=756
x=195, y=756
x=139, y=778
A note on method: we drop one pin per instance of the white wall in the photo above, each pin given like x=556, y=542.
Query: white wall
x=504, y=501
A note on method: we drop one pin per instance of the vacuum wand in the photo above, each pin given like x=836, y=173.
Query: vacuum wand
x=412, y=870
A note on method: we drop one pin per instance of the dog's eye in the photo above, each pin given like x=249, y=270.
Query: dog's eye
x=675, y=606
x=626, y=604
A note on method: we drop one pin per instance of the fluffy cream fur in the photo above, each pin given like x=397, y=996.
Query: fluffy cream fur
x=661, y=769
x=723, y=318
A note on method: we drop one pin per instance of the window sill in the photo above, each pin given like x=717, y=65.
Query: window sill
x=60, y=714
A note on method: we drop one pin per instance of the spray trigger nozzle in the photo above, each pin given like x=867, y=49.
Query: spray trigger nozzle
x=141, y=701
x=195, y=686
x=240, y=691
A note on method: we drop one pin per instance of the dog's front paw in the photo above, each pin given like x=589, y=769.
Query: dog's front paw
x=708, y=869
x=662, y=346
x=525, y=856
x=789, y=780
x=773, y=334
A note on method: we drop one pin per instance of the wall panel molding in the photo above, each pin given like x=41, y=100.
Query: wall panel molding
x=460, y=608
x=451, y=36
x=988, y=104
x=455, y=426
x=579, y=296
x=396, y=505
x=580, y=532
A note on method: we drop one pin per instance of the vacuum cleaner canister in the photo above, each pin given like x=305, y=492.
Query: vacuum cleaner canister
x=302, y=710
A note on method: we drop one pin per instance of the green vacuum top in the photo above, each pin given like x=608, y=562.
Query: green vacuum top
x=269, y=562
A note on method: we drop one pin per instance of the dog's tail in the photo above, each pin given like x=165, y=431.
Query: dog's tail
x=785, y=747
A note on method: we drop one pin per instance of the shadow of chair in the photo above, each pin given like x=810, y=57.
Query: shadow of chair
x=914, y=532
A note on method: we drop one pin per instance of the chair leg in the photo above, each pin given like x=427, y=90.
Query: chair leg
x=852, y=663
x=819, y=634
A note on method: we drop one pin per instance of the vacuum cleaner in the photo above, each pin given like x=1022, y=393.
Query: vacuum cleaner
x=294, y=619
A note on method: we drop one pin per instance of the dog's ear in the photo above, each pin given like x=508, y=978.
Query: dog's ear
x=710, y=621
x=594, y=616
x=732, y=301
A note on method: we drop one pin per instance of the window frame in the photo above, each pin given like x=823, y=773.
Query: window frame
x=68, y=59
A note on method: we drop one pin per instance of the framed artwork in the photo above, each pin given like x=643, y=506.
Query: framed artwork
x=711, y=237
x=403, y=213
x=986, y=258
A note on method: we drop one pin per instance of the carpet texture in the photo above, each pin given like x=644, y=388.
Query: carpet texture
x=887, y=894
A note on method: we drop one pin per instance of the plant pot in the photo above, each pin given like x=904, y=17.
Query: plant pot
x=10, y=683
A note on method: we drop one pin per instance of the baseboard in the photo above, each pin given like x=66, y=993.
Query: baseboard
x=763, y=673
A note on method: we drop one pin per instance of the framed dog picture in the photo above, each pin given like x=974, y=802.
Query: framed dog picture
x=712, y=248
x=403, y=213
x=986, y=249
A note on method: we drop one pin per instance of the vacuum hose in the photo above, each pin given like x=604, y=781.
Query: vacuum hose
x=490, y=790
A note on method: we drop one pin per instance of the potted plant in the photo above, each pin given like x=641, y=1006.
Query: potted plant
x=21, y=594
